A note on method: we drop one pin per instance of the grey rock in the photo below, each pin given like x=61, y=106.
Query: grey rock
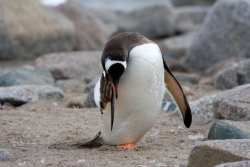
x=71, y=85
x=192, y=14
x=176, y=46
x=76, y=102
x=109, y=19
x=192, y=2
x=27, y=75
x=91, y=82
x=5, y=155
x=225, y=129
x=185, y=77
x=159, y=23
x=227, y=22
x=122, y=6
x=169, y=106
x=232, y=75
x=233, y=104
x=203, y=108
x=90, y=102
x=72, y=65
x=235, y=164
x=89, y=87
x=18, y=95
x=50, y=30
x=214, y=152
x=90, y=32
x=190, y=17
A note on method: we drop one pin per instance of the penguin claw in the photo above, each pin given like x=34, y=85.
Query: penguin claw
x=128, y=146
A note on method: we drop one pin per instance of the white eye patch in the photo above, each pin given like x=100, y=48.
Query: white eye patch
x=109, y=63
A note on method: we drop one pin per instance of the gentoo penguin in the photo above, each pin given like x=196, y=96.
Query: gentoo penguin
x=131, y=89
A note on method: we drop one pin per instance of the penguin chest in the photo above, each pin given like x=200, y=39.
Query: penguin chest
x=141, y=90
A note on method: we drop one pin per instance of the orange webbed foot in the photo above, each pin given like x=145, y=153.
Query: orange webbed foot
x=128, y=146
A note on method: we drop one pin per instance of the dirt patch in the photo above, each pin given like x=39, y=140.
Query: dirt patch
x=41, y=134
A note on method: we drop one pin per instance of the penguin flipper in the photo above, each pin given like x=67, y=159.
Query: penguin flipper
x=178, y=95
x=95, y=142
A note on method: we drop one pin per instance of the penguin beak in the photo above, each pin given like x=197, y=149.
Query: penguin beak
x=114, y=95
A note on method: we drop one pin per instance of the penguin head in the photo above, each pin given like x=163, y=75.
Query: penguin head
x=114, y=69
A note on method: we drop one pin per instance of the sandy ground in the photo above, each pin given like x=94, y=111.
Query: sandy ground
x=40, y=134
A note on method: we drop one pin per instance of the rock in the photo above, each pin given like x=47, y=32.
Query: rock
x=90, y=32
x=72, y=65
x=159, y=23
x=203, y=108
x=190, y=18
x=109, y=19
x=5, y=155
x=169, y=106
x=185, y=77
x=18, y=95
x=90, y=102
x=192, y=2
x=50, y=31
x=233, y=104
x=225, y=129
x=232, y=75
x=235, y=164
x=228, y=21
x=210, y=153
x=176, y=46
x=90, y=86
x=27, y=75
x=71, y=85
x=174, y=64
x=191, y=14
x=76, y=102
x=218, y=66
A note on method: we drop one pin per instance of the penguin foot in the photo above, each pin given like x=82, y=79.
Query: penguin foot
x=128, y=146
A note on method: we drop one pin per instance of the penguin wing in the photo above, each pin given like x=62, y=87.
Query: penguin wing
x=175, y=90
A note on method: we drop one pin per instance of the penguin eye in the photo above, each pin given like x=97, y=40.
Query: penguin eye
x=116, y=70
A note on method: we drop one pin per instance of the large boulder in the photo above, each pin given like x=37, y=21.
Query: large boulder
x=233, y=104
x=232, y=75
x=152, y=22
x=210, y=153
x=90, y=32
x=29, y=29
x=224, y=33
x=72, y=65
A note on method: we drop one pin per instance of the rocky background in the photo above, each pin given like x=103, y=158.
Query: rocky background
x=52, y=55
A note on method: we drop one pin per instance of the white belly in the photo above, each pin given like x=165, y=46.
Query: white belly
x=140, y=93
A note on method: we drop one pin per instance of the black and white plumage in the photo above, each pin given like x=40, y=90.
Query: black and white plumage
x=131, y=90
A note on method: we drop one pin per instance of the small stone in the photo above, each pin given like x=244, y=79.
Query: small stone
x=211, y=153
x=203, y=108
x=27, y=76
x=18, y=95
x=185, y=77
x=90, y=102
x=235, y=164
x=233, y=104
x=75, y=103
x=225, y=129
x=5, y=155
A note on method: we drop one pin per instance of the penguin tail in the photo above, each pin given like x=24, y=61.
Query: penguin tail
x=95, y=142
